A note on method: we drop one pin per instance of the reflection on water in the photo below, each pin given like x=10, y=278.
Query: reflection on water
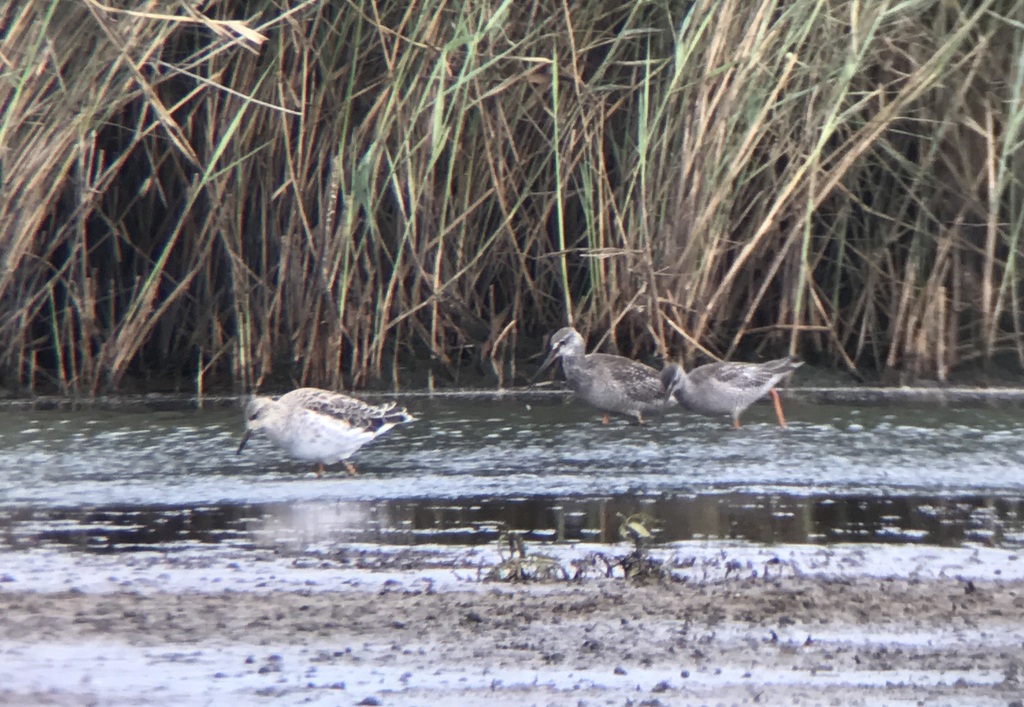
x=755, y=518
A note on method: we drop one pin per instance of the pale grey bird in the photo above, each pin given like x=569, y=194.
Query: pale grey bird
x=608, y=382
x=727, y=388
x=319, y=425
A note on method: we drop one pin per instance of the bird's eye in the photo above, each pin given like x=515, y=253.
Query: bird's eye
x=253, y=416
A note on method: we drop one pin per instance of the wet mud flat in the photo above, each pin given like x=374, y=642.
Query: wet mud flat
x=729, y=624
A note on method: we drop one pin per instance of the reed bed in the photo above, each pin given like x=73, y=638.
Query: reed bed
x=348, y=194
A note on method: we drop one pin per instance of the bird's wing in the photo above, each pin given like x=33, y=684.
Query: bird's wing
x=342, y=407
x=738, y=375
x=640, y=380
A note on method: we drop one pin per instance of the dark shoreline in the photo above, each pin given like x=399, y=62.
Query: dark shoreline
x=851, y=395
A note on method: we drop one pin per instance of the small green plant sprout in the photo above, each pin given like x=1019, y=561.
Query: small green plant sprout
x=517, y=566
x=640, y=528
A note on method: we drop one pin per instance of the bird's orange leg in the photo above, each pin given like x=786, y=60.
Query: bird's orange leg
x=778, y=406
x=319, y=469
x=736, y=422
x=350, y=468
x=604, y=419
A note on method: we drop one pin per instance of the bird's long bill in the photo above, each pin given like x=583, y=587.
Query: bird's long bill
x=670, y=390
x=245, y=438
x=668, y=394
x=544, y=366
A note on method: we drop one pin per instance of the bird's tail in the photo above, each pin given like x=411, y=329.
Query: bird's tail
x=389, y=415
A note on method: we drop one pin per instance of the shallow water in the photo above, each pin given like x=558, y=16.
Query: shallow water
x=104, y=480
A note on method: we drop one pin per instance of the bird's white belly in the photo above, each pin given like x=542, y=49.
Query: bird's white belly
x=317, y=438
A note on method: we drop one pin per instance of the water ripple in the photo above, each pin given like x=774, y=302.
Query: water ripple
x=509, y=449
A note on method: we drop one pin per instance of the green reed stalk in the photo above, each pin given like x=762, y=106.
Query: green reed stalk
x=556, y=148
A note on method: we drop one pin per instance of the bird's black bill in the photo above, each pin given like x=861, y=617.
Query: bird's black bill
x=245, y=438
x=543, y=367
x=668, y=394
x=670, y=381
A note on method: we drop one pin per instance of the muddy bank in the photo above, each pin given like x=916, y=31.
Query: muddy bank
x=731, y=626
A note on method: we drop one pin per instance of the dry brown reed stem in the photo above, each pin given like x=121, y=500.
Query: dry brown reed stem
x=335, y=194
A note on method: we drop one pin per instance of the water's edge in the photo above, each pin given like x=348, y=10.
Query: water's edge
x=853, y=395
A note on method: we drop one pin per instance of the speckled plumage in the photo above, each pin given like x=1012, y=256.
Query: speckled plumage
x=725, y=388
x=610, y=383
x=319, y=425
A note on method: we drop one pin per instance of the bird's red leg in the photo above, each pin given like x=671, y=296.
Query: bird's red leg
x=778, y=406
x=319, y=469
x=736, y=422
x=350, y=468
x=604, y=419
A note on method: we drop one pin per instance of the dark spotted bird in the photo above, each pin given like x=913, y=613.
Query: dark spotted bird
x=727, y=388
x=609, y=383
x=319, y=425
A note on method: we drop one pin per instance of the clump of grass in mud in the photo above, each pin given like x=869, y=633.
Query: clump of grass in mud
x=639, y=528
x=518, y=566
